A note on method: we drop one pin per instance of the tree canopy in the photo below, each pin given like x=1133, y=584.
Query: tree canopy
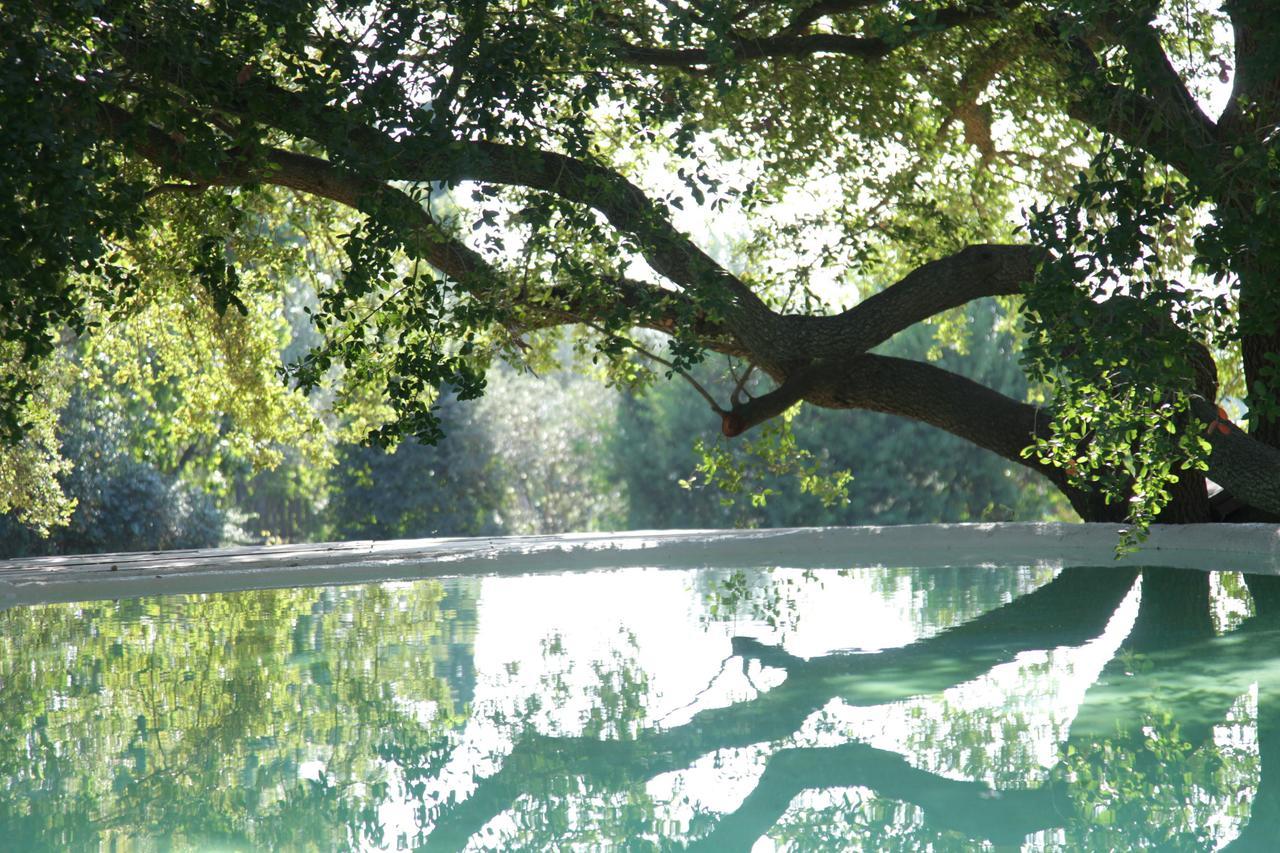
x=459, y=180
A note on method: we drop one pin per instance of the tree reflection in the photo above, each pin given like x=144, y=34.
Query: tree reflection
x=260, y=720
x=339, y=718
x=904, y=806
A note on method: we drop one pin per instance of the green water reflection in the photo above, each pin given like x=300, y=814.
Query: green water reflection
x=896, y=709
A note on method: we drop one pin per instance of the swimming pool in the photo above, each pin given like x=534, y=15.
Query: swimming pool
x=801, y=690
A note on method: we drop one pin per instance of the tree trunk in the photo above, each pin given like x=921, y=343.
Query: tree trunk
x=1260, y=348
x=1189, y=503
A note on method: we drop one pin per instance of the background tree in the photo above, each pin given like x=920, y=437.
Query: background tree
x=528, y=458
x=576, y=135
x=121, y=503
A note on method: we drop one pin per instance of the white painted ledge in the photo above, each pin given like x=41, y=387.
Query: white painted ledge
x=1228, y=547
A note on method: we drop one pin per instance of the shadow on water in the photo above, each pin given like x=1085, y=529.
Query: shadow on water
x=348, y=717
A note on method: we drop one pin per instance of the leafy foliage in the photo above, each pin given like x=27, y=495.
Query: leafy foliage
x=450, y=180
x=1110, y=332
x=120, y=503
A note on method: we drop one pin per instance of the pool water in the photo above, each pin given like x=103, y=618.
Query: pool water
x=820, y=709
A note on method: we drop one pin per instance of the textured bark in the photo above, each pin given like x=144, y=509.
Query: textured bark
x=1249, y=121
x=958, y=405
x=1259, y=315
x=972, y=273
x=1247, y=468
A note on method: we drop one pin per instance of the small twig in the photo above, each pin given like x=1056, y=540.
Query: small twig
x=188, y=188
x=724, y=665
x=740, y=389
x=706, y=395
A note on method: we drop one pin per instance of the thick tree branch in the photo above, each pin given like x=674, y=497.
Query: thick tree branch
x=818, y=359
x=962, y=407
x=1255, y=91
x=420, y=158
x=1154, y=73
x=745, y=414
x=972, y=273
x=822, y=345
x=790, y=42
x=1244, y=466
x=949, y=804
x=650, y=306
x=1163, y=123
x=920, y=391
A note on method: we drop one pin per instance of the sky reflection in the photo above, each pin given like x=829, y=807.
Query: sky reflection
x=720, y=709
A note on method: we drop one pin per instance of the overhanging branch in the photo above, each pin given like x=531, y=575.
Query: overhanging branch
x=1162, y=123
x=420, y=158
x=973, y=273
x=792, y=42
x=650, y=306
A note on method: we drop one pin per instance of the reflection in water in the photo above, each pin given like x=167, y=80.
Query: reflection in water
x=1100, y=709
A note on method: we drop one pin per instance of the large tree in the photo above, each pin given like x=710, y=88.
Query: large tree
x=488, y=170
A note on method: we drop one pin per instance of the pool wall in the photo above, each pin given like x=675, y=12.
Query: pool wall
x=1251, y=548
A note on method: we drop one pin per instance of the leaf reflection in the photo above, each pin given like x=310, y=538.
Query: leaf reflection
x=1028, y=710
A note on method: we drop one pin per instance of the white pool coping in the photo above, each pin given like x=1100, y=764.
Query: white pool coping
x=1227, y=547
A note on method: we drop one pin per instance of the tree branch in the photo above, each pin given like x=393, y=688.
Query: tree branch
x=854, y=380
x=790, y=42
x=823, y=344
x=745, y=414
x=1153, y=71
x=972, y=273
x=951, y=402
x=650, y=306
x=1255, y=91
x=420, y=158
x=949, y=804
x=1247, y=468
x=1163, y=124
x=822, y=9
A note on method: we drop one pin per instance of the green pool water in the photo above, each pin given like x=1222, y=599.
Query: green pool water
x=868, y=709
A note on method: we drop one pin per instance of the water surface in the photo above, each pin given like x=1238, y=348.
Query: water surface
x=872, y=709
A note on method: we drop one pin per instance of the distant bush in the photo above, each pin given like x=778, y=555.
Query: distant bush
x=529, y=457
x=122, y=504
x=415, y=491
